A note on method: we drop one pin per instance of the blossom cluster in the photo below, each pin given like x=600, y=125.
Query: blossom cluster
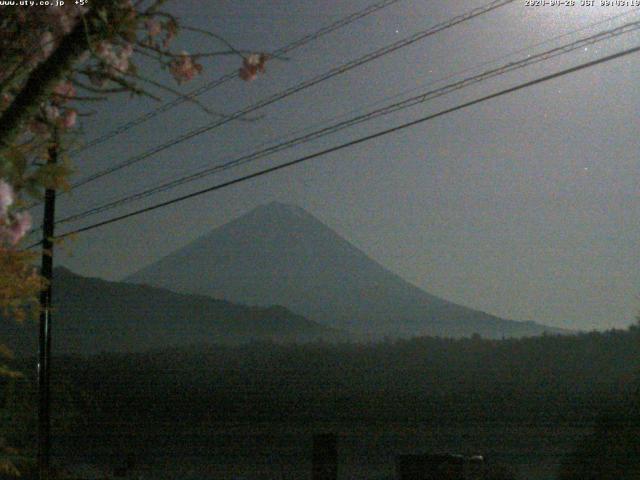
x=13, y=226
x=115, y=59
x=37, y=43
x=184, y=68
x=251, y=66
x=55, y=112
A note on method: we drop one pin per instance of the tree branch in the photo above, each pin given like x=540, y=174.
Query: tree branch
x=43, y=79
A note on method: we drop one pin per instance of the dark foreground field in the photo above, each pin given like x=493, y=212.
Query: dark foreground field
x=556, y=408
x=283, y=451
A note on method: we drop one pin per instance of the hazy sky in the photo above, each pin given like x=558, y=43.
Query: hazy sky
x=526, y=206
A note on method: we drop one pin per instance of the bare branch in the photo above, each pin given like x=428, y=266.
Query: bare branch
x=157, y=58
x=216, y=36
x=88, y=113
x=84, y=98
x=174, y=92
x=92, y=89
x=43, y=79
x=132, y=87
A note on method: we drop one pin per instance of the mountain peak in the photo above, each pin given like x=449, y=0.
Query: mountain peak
x=279, y=254
x=280, y=209
x=286, y=207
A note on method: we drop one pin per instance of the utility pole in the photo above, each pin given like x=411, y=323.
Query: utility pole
x=44, y=350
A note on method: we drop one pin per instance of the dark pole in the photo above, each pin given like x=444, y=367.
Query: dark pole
x=44, y=350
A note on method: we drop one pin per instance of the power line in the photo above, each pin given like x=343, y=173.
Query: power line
x=357, y=141
x=225, y=78
x=407, y=103
x=232, y=75
x=299, y=87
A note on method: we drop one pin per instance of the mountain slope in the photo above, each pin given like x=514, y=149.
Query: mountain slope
x=93, y=315
x=280, y=254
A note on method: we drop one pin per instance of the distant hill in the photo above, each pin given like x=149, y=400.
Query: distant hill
x=280, y=254
x=93, y=315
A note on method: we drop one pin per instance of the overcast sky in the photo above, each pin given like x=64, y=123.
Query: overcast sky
x=526, y=206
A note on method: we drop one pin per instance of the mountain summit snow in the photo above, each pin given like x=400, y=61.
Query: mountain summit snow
x=279, y=254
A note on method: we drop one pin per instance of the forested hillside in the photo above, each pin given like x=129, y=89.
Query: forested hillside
x=538, y=379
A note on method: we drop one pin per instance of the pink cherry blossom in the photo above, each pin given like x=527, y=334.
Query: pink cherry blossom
x=255, y=60
x=120, y=66
x=184, y=68
x=247, y=74
x=68, y=119
x=117, y=62
x=106, y=53
x=51, y=113
x=64, y=91
x=12, y=227
x=6, y=197
x=127, y=50
x=251, y=66
x=19, y=228
x=121, y=60
x=47, y=44
x=5, y=100
x=104, y=50
x=12, y=231
x=64, y=18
